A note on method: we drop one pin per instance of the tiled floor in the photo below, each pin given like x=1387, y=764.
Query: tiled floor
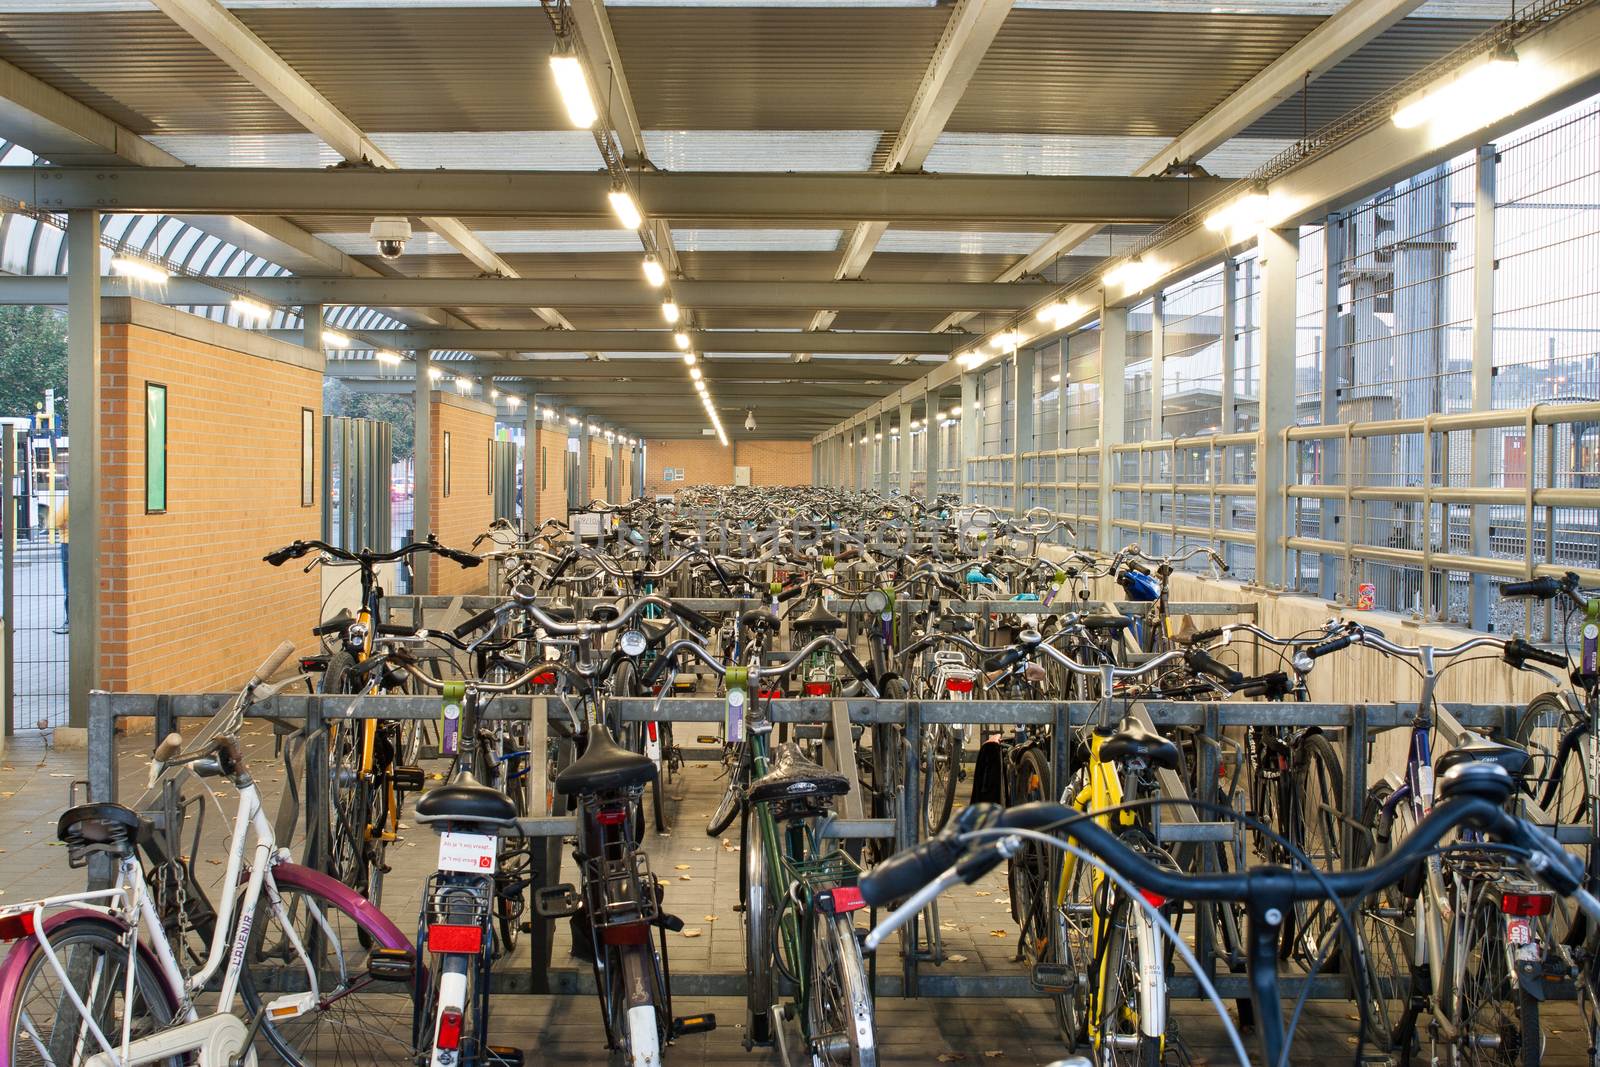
x=702, y=887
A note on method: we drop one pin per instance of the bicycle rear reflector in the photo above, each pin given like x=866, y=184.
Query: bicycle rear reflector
x=958, y=685
x=449, y=1036
x=444, y=938
x=1525, y=904
x=819, y=689
x=840, y=900
x=15, y=926
x=1155, y=900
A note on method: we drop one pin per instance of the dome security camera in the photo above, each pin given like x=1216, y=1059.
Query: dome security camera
x=390, y=232
x=750, y=418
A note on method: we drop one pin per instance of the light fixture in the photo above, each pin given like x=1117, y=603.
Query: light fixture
x=681, y=339
x=494, y=394
x=1005, y=341
x=573, y=85
x=1133, y=275
x=572, y=420
x=626, y=210
x=463, y=385
x=1055, y=378
x=1242, y=217
x=140, y=270
x=383, y=355
x=970, y=360
x=653, y=272
x=955, y=410
x=694, y=372
x=749, y=418
x=250, y=310
x=1058, y=314
x=335, y=339
x=549, y=413
x=690, y=358
x=434, y=374
x=669, y=311
x=1476, y=94
x=512, y=400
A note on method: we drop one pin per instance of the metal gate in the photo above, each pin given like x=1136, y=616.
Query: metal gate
x=503, y=470
x=355, y=483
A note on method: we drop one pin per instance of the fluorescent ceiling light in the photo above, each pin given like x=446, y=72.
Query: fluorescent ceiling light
x=140, y=270
x=653, y=272
x=250, y=310
x=626, y=210
x=383, y=355
x=1058, y=314
x=681, y=339
x=513, y=400
x=1475, y=95
x=434, y=373
x=335, y=339
x=1245, y=216
x=1132, y=275
x=573, y=84
x=694, y=372
x=1005, y=340
x=689, y=358
x=669, y=311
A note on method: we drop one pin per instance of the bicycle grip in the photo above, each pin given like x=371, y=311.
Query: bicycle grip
x=1543, y=588
x=1205, y=635
x=466, y=559
x=1205, y=663
x=1005, y=659
x=791, y=591
x=394, y=629
x=333, y=625
x=478, y=621
x=853, y=664
x=694, y=618
x=1518, y=651
x=906, y=872
x=270, y=665
x=278, y=557
x=1318, y=651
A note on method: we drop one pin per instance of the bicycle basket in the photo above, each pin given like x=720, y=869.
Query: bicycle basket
x=825, y=872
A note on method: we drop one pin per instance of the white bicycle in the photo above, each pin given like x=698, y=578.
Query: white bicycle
x=94, y=980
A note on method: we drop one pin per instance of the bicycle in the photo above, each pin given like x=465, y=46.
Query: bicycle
x=92, y=978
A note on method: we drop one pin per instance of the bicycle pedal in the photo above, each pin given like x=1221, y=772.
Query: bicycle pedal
x=391, y=965
x=708, y=739
x=557, y=901
x=505, y=1056
x=694, y=1024
x=1053, y=978
x=668, y=922
x=408, y=779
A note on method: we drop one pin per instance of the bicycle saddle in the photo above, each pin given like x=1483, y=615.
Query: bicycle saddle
x=464, y=799
x=1133, y=741
x=655, y=630
x=794, y=777
x=112, y=827
x=561, y=612
x=604, y=765
x=603, y=613
x=1106, y=622
x=758, y=619
x=957, y=624
x=817, y=619
x=1514, y=759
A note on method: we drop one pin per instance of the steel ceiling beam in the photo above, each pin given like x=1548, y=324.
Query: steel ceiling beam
x=755, y=370
x=968, y=32
x=211, y=24
x=656, y=341
x=564, y=292
x=937, y=199
x=1318, y=52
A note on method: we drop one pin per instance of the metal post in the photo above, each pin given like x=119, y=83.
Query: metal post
x=1022, y=426
x=1335, y=455
x=1483, y=267
x=530, y=453
x=1230, y=385
x=83, y=462
x=1279, y=257
x=932, y=444
x=422, y=471
x=885, y=450
x=905, y=449
x=585, y=454
x=1158, y=369
x=8, y=591
x=1113, y=371
x=311, y=325
x=967, y=434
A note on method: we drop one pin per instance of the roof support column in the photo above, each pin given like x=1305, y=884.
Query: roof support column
x=1279, y=257
x=83, y=462
x=1158, y=366
x=1113, y=391
x=530, y=448
x=967, y=434
x=1333, y=457
x=932, y=444
x=585, y=453
x=311, y=327
x=883, y=443
x=1225, y=417
x=1022, y=433
x=1483, y=267
x=905, y=449
x=421, y=467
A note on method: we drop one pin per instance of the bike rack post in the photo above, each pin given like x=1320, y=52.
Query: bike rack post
x=908, y=832
x=102, y=768
x=314, y=853
x=1205, y=940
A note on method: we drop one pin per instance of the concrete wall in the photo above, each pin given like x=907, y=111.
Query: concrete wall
x=469, y=509
x=706, y=462
x=187, y=603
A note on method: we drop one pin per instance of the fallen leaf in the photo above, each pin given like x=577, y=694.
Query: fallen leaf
x=8, y=794
x=681, y=867
x=59, y=774
x=992, y=1053
x=952, y=1057
x=998, y=933
x=684, y=878
x=983, y=893
x=956, y=957
x=696, y=848
x=711, y=918
x=690, y=933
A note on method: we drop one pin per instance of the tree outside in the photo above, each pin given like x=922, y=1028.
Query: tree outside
x=398, y=411
x=33, y=358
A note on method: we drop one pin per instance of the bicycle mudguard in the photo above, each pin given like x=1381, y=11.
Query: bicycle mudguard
x=16, y=961
x=292, y=874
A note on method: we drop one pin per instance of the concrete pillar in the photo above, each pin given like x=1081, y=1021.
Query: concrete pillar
x=884, y=451
x=905, y=449
x=530, y=453
x=83, y=462
x=932, y=444
x=967, y=434
x=617, y=488
x=1333, y=454
x=584, y=454
x=421, y=467
x=1280, y=250
x=1113, y=391
x=1483, y=223
x=1230, y=385
x=1022, y=428
x=311, y=325
x=1158, y=366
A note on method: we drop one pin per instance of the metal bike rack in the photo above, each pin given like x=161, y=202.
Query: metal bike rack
x=1357, y=723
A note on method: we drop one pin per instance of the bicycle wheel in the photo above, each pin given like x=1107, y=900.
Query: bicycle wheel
x=732, y=797
x=839, y=1008
x=360, y=1020
x=1115, y=1024
x=1559, y=741
x=1385, y=921
x=760, y=919
x=1028, y=872
x=941, y=755
x=1316, y=826
x=43, y=1026
x=1496, y=1021
x=1071, y=948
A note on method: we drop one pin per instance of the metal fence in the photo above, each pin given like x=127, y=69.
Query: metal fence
x=33, y=580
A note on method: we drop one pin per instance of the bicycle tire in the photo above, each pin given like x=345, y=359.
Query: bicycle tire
x=1386, y=931
x=1121, y=960
x=839, y=996
x=1028, y=872
x=79, y=937
x=385, y=1013
x=1071, y=938
x=940, y=743
x=1488, y=1010
x=759, y=945
x=729, y=806
x=1316, y=827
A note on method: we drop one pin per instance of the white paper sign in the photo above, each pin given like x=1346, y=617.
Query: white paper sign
x=473, y=853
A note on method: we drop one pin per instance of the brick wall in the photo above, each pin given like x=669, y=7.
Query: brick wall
x=187, y=604
x=469, y=509
x=551, y=466
x=706, y=462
